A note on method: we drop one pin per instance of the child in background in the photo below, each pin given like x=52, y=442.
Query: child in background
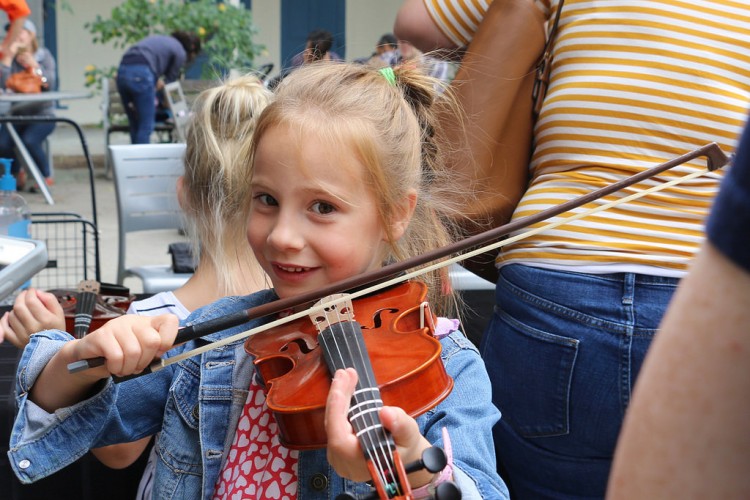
x=211, y=193
x=347, y=176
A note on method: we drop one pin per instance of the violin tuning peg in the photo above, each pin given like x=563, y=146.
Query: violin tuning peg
x=433, y=459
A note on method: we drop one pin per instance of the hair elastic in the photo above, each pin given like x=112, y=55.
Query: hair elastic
x=389, y=75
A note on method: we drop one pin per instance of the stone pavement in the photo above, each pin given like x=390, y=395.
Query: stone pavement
x=72, y=193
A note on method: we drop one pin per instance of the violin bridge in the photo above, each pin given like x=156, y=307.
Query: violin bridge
x=336, y=308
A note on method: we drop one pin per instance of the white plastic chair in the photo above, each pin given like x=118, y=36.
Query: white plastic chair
x=145, y=177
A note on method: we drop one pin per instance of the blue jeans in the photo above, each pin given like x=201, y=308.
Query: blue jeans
x=136, y=84
x=33, y=136
x=563, y=350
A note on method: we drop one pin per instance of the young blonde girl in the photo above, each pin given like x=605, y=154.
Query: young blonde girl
x=346, y=177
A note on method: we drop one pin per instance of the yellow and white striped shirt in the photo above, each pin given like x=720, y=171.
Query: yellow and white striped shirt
x=633, y=84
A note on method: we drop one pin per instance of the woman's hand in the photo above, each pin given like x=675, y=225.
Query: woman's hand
x=33, y=311
x=344, y=452
x=27, y=60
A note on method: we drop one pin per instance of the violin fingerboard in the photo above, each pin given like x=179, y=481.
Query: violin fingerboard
x=343, y=347
x=85, y=305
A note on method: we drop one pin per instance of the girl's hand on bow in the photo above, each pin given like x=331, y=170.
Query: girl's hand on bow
x=33, y=311
x=344, y=452
x=129, y=343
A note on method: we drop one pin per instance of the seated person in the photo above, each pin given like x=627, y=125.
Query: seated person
x=26, y=54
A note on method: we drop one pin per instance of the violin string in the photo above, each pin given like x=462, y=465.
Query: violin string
x=163, y=363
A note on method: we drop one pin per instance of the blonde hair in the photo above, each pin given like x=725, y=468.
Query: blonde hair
x=217, y=172
x=393, y=128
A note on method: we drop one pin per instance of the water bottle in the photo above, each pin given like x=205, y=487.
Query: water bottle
x=15, y=216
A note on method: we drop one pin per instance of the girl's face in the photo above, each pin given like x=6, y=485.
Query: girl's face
x=24, y=38
x=313, y=219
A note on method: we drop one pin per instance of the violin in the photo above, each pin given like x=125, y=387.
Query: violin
x=397, y=358
x=397, y=332
x=92, y=305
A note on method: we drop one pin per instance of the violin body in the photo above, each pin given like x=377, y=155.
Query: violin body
x=405, y=358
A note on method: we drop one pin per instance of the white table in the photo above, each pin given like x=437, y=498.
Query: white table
x=12, y=103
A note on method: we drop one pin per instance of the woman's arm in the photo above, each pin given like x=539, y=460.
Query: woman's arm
x=686, y=432
x=414, y=24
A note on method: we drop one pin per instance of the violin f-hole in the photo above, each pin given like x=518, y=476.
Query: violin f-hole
x=377, y=320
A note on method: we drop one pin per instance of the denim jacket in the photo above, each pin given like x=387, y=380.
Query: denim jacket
x=195, y=405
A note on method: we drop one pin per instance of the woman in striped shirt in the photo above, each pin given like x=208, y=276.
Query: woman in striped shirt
x=633, y=84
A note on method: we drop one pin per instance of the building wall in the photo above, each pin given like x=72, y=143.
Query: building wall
x=365, y=22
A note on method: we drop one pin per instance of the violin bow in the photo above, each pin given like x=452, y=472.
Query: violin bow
x=394, y=273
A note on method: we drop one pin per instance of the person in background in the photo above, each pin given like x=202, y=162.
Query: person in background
x=144, y=69
x=341, y=185
x=578, y=306
x=18, y=12
x=440, y=69
x=386, y=53
x=317, y=48
x=686, y=433
x=23, y=55
x=210, y=194
x=316, y=38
